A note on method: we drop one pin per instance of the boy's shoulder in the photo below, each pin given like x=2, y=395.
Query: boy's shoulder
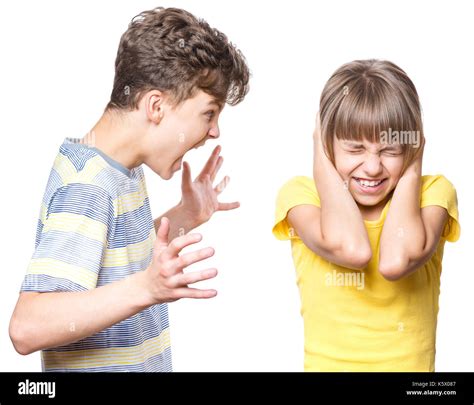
x=81, y=164
x=83, y=172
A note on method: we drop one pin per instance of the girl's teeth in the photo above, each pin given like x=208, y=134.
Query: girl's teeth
x=366, y=183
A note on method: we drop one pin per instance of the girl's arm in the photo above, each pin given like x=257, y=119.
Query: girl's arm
x=410, y=234
x=335, y=231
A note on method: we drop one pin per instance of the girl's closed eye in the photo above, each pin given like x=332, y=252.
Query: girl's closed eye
x=354, y=149
x=392, y=151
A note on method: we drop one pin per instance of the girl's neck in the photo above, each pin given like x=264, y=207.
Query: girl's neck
x=372, y=213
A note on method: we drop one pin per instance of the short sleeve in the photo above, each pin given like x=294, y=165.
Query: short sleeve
x=71, y=241
x=297, y=191
x=437, y=190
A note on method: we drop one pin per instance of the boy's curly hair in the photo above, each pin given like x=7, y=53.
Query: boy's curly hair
x=171, y=50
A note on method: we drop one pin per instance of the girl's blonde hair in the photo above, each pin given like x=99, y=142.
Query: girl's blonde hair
x=368, y=99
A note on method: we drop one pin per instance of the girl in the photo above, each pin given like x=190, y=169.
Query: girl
x=368, y=230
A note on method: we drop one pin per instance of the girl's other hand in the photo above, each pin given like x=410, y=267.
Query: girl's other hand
x=415, y=166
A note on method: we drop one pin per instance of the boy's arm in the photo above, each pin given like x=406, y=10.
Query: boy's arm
x=335, y=231
x=181, y=221
x=410, y=234
x=199, y=198
x=45, y=320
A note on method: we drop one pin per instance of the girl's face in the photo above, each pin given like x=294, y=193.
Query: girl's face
x=370, y=170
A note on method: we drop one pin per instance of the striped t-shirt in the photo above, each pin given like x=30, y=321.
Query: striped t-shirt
x=95, y=228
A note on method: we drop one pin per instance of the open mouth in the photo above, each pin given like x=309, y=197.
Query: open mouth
x=369, y=184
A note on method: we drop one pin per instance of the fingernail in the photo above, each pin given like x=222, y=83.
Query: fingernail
x=209, y=251
x=210, y=272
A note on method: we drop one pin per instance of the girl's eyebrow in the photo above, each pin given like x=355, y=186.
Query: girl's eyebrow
x=392, y=147
x=352, y=143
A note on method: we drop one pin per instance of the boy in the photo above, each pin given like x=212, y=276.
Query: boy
x=368, y=231
x=94, y=297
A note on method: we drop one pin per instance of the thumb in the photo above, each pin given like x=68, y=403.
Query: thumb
x=186, y=179
x=162, y=234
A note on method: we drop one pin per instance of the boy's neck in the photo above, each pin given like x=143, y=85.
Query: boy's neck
x=115, y=136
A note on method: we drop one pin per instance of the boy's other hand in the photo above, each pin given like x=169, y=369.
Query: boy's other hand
x=199, y=197
x=164, y=279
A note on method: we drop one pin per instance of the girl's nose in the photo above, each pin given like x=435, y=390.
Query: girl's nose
x=373, y=165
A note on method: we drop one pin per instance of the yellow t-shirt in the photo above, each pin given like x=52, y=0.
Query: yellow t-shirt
x=357, y=320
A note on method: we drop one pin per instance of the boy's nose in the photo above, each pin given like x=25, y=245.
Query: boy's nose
x=214, y=132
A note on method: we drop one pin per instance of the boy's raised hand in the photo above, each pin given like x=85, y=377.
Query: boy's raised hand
x=199, y=197
x=165, y=279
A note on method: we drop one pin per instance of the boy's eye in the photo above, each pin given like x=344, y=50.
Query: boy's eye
x=209, y=115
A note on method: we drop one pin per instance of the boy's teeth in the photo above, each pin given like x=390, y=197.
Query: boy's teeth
x=367, y=183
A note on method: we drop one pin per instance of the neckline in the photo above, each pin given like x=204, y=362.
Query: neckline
x=76, y=143
x=379, y=221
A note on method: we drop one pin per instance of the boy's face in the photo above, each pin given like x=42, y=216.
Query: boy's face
x=181, y=128
x=370, y=170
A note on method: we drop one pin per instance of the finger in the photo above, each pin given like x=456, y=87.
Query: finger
x=220, y=160
x=182, y=280
x=222, y=185
x=318, y=121
x=317, y=131
x=186, y=179
x=228, y=206
x=195, y=293
x=423, y=144
x=162, y=235
x=179, y=243
x=419, y=151
x=187, y=259
x=211, y=162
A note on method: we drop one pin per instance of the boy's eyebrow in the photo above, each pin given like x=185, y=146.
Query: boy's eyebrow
x=216, y=103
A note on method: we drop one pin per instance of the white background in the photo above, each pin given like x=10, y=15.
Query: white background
x=56, y=77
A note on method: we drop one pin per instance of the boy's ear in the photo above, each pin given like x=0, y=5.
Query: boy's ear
x=154, y=101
